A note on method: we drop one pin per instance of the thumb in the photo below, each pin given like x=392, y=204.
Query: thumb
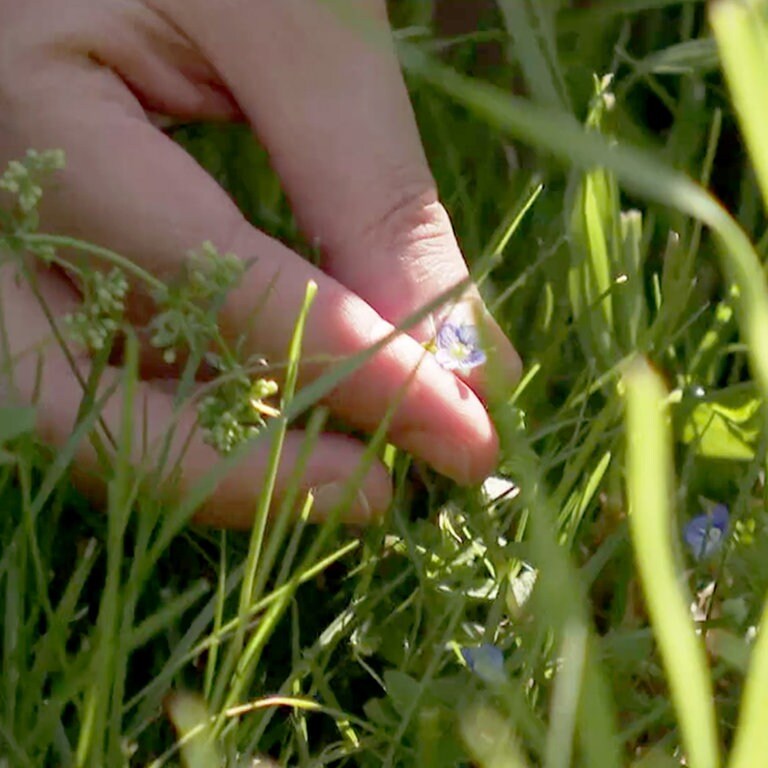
x=406, y=261
x=334, y=113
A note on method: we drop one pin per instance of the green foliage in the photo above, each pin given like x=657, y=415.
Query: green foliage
x=725, y=424
x=620, y=240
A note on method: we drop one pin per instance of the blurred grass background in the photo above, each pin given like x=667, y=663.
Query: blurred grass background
x=572, y=143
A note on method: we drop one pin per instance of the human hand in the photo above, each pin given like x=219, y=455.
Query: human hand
x=334, y=115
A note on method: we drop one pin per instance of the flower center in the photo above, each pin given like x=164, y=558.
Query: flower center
x=714, y=535
x=460, y=351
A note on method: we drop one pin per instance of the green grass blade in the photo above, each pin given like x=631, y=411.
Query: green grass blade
x=101, y=721
x=265, y=498
x=565, y=697
x=193, y=726
x=564, y=601
x=649, y=467
x=741, y=30
x=591, y=277
x=190, y=646
x=751, y=741
x=699, y=55
x=286, y=516
x=282, y=596
x=212, y=657
x=49, y=652
x=490, y=740
x=503, y=234
x=632, y=301
x=533, y=59
x=170, y=612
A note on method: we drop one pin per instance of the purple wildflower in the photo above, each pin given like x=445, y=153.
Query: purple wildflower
x=705, y=534
x=458, y=347
x=486, y=661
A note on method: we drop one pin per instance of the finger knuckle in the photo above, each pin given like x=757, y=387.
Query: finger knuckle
x=413, y=215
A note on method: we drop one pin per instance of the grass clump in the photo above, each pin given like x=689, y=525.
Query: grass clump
x=599, y=602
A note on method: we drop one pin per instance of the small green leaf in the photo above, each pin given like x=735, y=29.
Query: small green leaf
x=379, y=711
x=402, y=689
x=15, y=422
x=725, y=425
x=690, y=56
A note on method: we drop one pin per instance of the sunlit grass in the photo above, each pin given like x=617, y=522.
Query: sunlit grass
x=620, y=242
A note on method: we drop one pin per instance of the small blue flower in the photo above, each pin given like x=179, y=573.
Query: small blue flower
x=458, y=347
x=486, y=661
x=705, y=534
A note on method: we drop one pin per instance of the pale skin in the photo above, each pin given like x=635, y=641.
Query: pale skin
x=85, y=76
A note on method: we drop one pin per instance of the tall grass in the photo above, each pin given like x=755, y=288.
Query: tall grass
x=612, y=206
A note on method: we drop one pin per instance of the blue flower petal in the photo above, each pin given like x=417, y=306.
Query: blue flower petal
x=705, y=534
x=720, y=517
x=486, y=661
x=475, y=358
x=448, y=336
x=468, y=335
x=457, y=347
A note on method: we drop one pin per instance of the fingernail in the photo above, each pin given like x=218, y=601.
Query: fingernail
x=328, y=498
x=469, y=309
x=505, y=359
x=504, y=364
x=447, y=456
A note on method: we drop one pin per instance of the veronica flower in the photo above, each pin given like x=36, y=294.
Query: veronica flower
x=705, y=534
x=486, y=661
x=457, y=347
